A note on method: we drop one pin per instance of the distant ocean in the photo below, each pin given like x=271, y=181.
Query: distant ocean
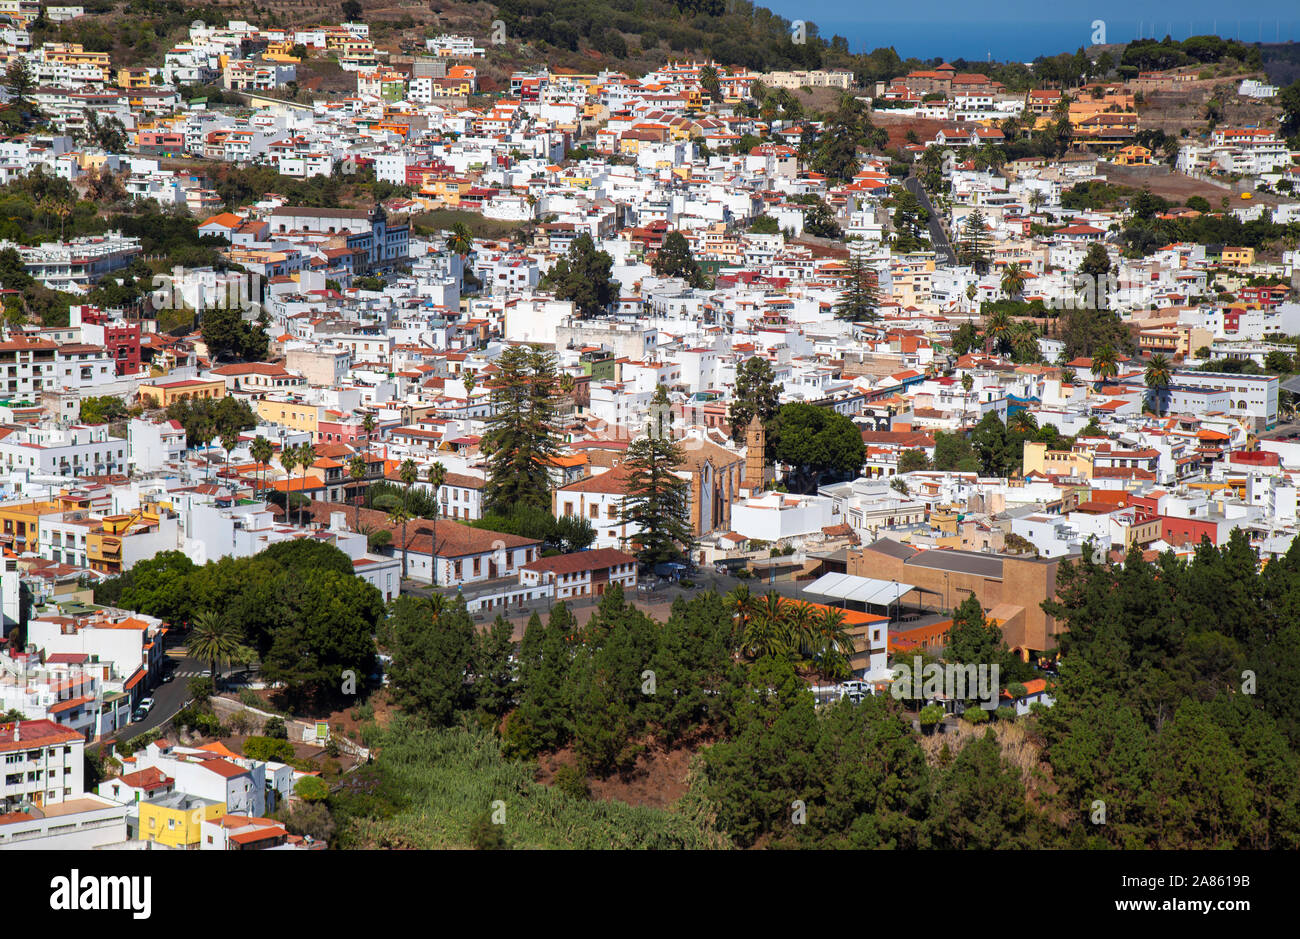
x=1018, y=40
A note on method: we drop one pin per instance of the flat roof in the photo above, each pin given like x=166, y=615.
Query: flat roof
x=866, y=590
x=959, y=562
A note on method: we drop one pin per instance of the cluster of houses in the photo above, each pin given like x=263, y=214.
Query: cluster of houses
x=384, y=346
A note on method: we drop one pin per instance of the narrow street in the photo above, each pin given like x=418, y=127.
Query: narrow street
x=169, y=697
x=938, y=237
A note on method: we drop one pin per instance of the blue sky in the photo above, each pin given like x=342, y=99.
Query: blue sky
x=1021, y=29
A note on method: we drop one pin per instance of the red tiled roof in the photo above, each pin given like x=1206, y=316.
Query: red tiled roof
x=598, y=559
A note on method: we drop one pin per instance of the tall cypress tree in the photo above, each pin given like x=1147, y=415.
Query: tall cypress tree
x=544, y=719
x=521, y=437
x=658, y=500
x=861, y=295
x=975, y=247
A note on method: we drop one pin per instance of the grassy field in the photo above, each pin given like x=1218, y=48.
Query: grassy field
x=446, y=779
x=442, y=219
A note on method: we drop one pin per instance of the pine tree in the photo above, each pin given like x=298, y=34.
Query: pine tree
x=756, y=392
x=674, y=259
x=861, y=295
x=975, y=248
x=544, y=719
x=658, y=500
x=521, y=436
x=583, y=276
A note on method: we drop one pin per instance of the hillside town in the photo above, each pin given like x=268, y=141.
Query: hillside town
x=590, y=341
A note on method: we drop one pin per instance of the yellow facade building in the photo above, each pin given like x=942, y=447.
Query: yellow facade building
x=176, y=819
x=1045, y=462
x=165, y=394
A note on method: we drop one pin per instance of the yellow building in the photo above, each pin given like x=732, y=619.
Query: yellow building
x=1134, y=155
x=72, y=54
x=297, y=415
x=1237, y=257
x=176, y=819
x=131, y=78
x=21, y=12
x=165, y=394
x=447, y=189
x=281, y=51
x=1045, y=462
x=21, y=521
x=104, y=546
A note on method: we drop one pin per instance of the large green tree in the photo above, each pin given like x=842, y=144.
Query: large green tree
x=674, y=259
x=583, y=276
x=817, y=442
x=657, y=500
x=521, y=437
x=860, y=298
x=432, y=653
x=757, y=392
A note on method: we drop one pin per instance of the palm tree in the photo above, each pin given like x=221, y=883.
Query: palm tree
x=368, y=425
x=306, y=457
x=228, y=441
x=399, y=516
x=1022, y=422
x=967, y=382
x=409, y=473
x=742, y=604
x=1024, y=343
x=461, y=239
x=998, y=331
x=203, y=432
x=289, y=463
x=57, y=208
x=765, y=633
x=357, y=470
x=468, y=380
x=835, y=644
x=1104, y=364
x=214, y=639
x=262, y=451
x=1158, y=377
x=800, y=626
x=1013, y=281
x=437, y=475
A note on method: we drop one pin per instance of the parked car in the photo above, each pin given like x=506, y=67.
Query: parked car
x=146, y=704
x=138, y=715
x=168, y=676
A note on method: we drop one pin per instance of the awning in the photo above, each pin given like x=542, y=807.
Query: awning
x=851, y=588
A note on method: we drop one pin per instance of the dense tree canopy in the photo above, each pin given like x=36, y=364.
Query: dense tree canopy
x=583, y=276
x=817, y=442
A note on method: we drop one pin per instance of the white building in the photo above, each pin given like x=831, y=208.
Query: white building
x=43, y=764
x=775, y=516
